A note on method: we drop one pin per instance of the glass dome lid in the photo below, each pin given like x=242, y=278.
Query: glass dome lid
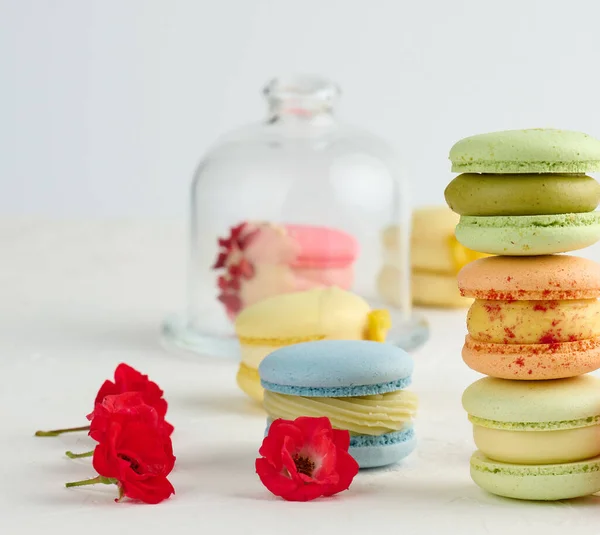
x=294, y=202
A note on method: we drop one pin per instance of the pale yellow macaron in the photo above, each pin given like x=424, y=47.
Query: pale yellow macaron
x=535, y=422
x=435, y=258
x=317, y=314
x=536, y=440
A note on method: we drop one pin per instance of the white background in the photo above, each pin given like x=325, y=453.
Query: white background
x=106, y=106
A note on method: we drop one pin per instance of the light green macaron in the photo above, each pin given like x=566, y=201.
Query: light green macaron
x=537, y=150
x=536, y=440
x=529, y=235
x=536, y=482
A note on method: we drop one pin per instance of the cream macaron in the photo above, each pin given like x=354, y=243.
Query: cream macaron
x=318, y=314
x=535, y=422
x=536, y=440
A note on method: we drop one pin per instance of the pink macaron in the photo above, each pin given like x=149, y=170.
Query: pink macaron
x=260, y=260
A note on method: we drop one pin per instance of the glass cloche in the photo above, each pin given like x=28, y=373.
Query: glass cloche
x=294, y=202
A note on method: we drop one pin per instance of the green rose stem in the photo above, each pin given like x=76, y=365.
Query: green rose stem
x=56, y=432
x=72, y=455
x=93, y=481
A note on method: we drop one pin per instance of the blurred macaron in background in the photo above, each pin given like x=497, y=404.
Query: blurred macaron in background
x=436, y=257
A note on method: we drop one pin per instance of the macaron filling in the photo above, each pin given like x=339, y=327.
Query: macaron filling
x=538, y=447
x=534, y=322
x=538, y=442
x=522, y=194
x=366, y=415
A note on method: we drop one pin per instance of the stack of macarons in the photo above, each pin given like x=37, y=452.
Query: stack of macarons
x=292, y=318
x=359, y=385
x=435, y=258
x=534, y=325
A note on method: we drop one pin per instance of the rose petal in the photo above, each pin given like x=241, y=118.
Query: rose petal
x=152, y=490
x=221, y=261
x=341, y=438
x=274, y=480
x=273, y=444
x=346, y=468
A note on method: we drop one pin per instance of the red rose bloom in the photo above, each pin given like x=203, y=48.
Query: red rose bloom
x=128, y=379
x=119, y=407
x=133, y=448
x=305, y=459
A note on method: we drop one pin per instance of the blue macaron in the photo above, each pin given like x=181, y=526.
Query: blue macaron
x=359, y=385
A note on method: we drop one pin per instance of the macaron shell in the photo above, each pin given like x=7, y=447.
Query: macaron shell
x=334, y=368
x=529, y=235
x=514, y=195
x=382, y=450
x=322, y=247
x=532, y=362
x=330, y=312
x=249, y=382
x=530, y=278
x=536, y=482
x=536, y=150
x=533, y=401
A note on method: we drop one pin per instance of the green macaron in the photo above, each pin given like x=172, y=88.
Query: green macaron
x=529, y=235
x=536, y=482
x=537, y=150
x=522, y=194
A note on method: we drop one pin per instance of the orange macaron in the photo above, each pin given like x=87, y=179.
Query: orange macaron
x=533, y=318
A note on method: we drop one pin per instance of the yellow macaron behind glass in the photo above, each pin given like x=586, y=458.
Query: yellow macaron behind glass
x=436, y=258
x=317, y=314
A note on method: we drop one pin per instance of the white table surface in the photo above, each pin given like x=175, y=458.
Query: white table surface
x=77, y=298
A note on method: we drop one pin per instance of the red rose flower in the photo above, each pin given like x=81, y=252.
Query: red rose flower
x=128, y=379
x=120, y=406
x=133, y=451
x=305, y=458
